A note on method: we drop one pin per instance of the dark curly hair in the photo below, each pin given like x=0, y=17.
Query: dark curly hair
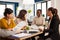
x=7, y=11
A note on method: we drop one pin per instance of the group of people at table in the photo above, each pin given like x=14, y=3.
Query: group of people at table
x=7, y=23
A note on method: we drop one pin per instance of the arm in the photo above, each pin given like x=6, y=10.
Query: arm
x=13, y=24
x=0, y=24
x=4, y=24
x=54, y=25
x=34, y=22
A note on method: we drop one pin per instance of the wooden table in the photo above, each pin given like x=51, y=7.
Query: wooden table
x=23, y=38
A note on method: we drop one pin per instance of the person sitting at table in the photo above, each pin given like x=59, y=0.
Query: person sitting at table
x=54, y=23
x=39, y=20
x=21, y=17
x=6, y=23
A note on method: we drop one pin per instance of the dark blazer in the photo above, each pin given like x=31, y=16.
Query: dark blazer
x=54, y=27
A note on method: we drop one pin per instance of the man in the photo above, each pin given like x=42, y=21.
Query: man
x=39, y=19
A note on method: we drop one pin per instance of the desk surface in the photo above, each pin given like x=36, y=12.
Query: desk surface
x=23, y=38
x=35, y=34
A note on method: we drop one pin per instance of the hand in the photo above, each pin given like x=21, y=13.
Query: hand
x=40, y=29
x=10, y=29
x=48, y=28
x=24, y=28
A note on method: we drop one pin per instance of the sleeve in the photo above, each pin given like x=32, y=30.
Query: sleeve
x=0, y=24
x=14, y=24
x=54, y=25
x=34, y=22
x=4, y=24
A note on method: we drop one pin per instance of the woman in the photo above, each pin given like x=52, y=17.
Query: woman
x=21, y=18
x=6, y=23
x=54, y=23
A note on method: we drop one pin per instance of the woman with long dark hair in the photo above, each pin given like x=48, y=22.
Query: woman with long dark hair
x=22, y=18
x=54, y=23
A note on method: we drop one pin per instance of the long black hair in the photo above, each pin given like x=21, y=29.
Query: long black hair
x=54, y=12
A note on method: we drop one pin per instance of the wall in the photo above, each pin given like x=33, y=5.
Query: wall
x=10, y=0
x=55, y=4
x=20, y=1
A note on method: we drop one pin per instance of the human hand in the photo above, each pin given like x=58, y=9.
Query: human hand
x=10, y=29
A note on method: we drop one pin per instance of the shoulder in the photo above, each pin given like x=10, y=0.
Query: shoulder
x=55, y=18
x=35, y=17
x=17, y=19
x=2, y=19
x=42, y=17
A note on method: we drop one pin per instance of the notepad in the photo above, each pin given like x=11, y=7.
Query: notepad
x=21, y=35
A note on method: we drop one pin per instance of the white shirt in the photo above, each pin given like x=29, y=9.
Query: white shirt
x=39, y=20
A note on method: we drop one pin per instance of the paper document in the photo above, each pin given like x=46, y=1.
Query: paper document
x=34, y=30
x=35, y=27
x=20, y=25
x=21, y=35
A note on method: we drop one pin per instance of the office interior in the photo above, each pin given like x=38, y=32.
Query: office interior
x=29, y=5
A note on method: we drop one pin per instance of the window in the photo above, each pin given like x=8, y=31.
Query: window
x=38, y=5
x=29, y=8
x=48, y=4
x=35, y=9
x=44, y=9
x=43, y=6
x=11, y=6
x=2, y=7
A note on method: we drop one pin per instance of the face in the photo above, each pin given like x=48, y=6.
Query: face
x=38, y=13
x=10, y=16
x=26, y=16
x=48, y=13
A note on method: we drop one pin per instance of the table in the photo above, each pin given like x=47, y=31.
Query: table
x=23, y=38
